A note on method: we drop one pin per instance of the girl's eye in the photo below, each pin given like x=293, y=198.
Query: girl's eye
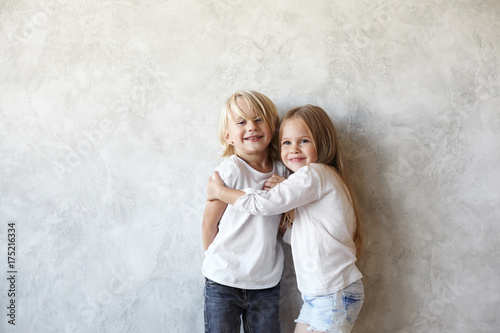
x=285, y=143
x=304, y=141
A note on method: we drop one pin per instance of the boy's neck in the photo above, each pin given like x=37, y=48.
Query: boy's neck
x=261, y=162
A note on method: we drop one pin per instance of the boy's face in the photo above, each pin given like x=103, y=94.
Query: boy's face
x=249, y=137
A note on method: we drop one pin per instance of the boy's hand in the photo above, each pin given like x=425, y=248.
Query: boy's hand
x=213, y=187
x=272, y=182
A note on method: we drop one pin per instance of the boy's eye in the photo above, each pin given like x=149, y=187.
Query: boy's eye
x=241, y=122
x=258, y=120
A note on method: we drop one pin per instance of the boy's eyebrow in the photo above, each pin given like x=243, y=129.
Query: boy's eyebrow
x=240, y=118
x=237, y=118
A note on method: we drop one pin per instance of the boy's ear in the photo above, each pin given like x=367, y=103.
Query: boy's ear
x=228, y=138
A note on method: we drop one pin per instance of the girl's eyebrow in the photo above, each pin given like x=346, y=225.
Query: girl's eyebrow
x=299, y=137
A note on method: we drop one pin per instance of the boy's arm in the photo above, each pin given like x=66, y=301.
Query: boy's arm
x=217, y=190
x=269, y=184
x=210, y=223
x=272, y=182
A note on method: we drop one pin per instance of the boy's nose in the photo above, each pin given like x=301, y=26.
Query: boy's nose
x=252, y=126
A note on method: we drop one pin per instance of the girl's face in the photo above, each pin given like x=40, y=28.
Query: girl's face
x=249, y=137
x=296, y=145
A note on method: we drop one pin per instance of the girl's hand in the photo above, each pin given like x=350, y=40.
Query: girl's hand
x=213, y=187
x=272, y=182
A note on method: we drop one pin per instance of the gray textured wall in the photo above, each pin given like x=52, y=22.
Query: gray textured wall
x=108, y=117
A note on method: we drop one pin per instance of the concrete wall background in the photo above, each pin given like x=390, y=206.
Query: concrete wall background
x=108, y=118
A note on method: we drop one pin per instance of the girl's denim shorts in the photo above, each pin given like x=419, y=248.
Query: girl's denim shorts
x=336, y=312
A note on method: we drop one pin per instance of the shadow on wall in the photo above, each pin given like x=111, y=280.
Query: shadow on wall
x=290, y=300
x=367, y=159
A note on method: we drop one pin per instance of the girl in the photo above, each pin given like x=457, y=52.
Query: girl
x=243, y=256
x=326, y=234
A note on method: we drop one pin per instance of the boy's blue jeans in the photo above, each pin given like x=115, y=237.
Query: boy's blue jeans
x=225, y=305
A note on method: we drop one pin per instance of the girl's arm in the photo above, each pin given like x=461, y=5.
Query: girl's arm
x=210, y=223
x=301, y=188
x=216, y=190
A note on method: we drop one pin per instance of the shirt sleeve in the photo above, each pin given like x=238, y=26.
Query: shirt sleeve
x=302, y=187
x=228, y=172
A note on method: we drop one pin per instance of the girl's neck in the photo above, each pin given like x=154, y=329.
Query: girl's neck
x=260, y=162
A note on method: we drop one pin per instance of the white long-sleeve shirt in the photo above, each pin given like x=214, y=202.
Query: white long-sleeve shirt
x=322, y=235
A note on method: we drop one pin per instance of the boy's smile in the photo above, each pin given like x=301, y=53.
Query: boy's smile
x=250, y=135
x=254, y=138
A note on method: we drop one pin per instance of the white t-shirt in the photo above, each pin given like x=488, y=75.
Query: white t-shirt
x=322, y=243
x=246, y=252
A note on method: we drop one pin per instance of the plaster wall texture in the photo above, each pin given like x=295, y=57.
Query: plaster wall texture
x=108, y=120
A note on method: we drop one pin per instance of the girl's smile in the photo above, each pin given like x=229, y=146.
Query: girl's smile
x=297, y=146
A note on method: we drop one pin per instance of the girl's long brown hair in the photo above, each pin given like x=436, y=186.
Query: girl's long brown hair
x=329, y=152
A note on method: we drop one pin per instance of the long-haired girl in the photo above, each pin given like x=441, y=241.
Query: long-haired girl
x=326, y=234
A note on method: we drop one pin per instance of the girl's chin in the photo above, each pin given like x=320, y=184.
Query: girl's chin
x=295, y=166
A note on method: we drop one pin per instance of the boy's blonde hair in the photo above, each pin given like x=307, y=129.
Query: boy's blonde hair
x=329, y=152
x=262, y=107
